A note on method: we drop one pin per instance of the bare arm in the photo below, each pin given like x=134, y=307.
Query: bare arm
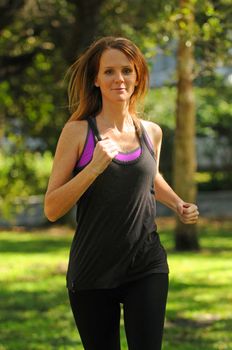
x=165, y=194
x=61, y=199
x=187, y=212
x=64, y=191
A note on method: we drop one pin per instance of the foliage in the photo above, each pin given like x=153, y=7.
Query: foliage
x=35, y=307
x=39, y=40
x=32, y=99
x=214, y=110
x=214, y=180
x=214, y=120
x=155, y=24
x=26, y=172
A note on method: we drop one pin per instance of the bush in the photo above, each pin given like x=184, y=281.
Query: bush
x=23, y=174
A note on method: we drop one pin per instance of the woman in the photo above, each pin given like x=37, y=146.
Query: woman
x=107, y=162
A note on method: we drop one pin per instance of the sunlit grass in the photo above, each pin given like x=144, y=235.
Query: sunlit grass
x=200, y=296
x=34, y=307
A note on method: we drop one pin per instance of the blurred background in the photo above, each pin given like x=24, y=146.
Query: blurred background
x=187, y=45
x=40, y=39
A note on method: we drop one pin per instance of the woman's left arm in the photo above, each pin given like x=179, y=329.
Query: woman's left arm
x=187, y=212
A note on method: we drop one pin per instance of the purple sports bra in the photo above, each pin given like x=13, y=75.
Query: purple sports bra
x=123, y=157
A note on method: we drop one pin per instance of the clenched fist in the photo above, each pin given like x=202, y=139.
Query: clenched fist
x=104, y=152
x=188, y=213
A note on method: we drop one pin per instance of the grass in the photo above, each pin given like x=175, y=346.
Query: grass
x=34, y=307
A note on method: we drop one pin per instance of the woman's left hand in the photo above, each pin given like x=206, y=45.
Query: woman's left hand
x=188, y=212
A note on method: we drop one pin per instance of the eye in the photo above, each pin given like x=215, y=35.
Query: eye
x=109, y=71
x=127, y=70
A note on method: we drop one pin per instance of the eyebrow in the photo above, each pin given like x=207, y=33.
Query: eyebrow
x=127, y=66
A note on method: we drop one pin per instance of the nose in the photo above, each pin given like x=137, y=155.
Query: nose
x=119, y=77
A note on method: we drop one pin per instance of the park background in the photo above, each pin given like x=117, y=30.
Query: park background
x=187, y=45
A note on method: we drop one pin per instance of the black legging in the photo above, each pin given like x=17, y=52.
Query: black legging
x=97, y=314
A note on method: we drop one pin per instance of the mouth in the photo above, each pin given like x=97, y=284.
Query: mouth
x=119, y=89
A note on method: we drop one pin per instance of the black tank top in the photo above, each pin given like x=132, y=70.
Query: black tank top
x=116, y=239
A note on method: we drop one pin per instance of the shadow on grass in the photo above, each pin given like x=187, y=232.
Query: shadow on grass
x=35, y=245
x=178, y=286
x=37, y=320
x=203, y=334
x=36, y=315
x=216, y=240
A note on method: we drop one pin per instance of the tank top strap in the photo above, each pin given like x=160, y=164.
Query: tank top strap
x=144, y=136
x=146, y=139
x=93, y=126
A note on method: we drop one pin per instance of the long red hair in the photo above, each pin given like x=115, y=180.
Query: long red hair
x=84, y=97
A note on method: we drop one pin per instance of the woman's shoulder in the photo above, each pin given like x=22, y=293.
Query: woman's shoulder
x=75, y=127
x=75, y=130
x=153, y=129
x=73, y=135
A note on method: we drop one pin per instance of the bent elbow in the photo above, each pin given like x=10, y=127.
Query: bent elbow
x=49, y=213
x=51, y=217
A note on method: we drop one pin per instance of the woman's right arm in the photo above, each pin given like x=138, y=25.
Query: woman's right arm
x=64, y=190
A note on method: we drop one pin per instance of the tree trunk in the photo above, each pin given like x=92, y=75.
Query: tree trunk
x=85, y=28
x=184, y=166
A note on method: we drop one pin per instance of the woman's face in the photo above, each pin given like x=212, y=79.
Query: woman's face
x=116, y=77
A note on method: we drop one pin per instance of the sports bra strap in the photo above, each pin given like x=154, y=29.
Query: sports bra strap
x=145, y=137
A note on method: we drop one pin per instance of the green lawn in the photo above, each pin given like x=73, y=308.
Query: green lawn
x=34, y=308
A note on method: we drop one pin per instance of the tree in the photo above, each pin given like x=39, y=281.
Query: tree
x=85, y=27
x=205, y=24
x=184, y=143
x=39, y=39
x=30, y=94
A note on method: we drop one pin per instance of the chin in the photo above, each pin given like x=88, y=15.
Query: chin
x=118, y=99
x=122, y=98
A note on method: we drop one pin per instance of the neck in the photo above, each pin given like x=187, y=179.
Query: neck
x=116, y=116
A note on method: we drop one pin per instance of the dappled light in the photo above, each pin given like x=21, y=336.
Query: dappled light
x=106, y=160
x=34, y=303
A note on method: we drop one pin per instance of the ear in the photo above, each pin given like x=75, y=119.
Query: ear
x=96, y=83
